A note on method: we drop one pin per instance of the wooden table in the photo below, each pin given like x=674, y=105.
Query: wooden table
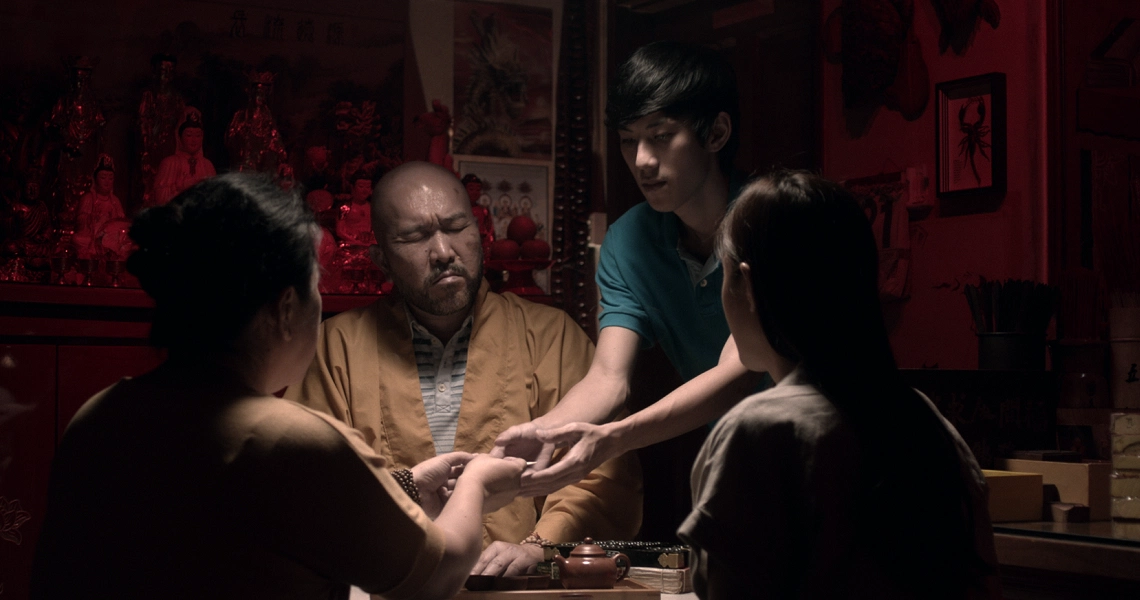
x=358, y=594
x=623, y=590
x=1069, y=560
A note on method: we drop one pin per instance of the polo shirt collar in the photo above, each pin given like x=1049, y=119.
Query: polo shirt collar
x=697, y=270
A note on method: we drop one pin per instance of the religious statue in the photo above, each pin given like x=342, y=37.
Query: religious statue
x=33, y=218
x=186, y=166
x=330, y=270
x=97, y=208
x=76, y=122
x=23, y=144
x=350, y=268
x=286, y=177
x=317, y=172
x=27, y=224
x=502, y=212
x=482, y=214
x=321, y=201
x=252, y=137
x=437, y=124
x=161, y=111
x=346, y=178
x=354, y=227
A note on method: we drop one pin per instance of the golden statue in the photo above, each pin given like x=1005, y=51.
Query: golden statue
x=161, y=110
x=252, y=138
x=186, y=166
x=76, y=121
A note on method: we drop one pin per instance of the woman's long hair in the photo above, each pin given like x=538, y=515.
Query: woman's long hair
x=814, y=265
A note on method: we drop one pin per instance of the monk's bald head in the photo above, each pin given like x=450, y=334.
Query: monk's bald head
x=410, y=184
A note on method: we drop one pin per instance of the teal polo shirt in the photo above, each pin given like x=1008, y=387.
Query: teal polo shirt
x=647, y=287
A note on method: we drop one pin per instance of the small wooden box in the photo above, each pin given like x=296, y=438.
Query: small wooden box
x=1078, y=483
x=1014, y=496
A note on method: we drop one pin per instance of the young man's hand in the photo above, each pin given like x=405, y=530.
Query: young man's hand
x=590, y=446
x=521, y=441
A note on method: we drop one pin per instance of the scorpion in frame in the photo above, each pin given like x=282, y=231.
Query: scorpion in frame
x=973, y=142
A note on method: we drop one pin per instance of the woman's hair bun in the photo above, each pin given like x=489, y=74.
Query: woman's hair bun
x=217, y=253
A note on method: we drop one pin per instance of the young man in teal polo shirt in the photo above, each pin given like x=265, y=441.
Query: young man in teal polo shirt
x=675, y=109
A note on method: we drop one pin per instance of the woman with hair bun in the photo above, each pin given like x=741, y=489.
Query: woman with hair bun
x=853, y=483
x=195, y=481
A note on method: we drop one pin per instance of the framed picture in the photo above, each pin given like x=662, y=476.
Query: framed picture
x=884, y=199
x=970, y=136
x=504, y=80
x=514, y=187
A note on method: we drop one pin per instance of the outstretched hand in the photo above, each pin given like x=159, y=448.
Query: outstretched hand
x=498, y=477
x=590, y=446
x=521, y=441
x=435, y=478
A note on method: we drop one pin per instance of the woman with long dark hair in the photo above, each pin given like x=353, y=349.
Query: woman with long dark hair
x=194, y=481
x=841, y=481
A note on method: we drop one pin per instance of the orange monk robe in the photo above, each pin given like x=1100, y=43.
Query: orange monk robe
x=522, y=358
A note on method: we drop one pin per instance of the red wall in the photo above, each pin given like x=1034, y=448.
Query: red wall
x=933, y=327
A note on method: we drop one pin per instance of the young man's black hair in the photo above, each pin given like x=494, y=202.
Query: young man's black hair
x=685, y=81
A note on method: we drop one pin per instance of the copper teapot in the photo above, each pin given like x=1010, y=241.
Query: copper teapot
x=589, y=568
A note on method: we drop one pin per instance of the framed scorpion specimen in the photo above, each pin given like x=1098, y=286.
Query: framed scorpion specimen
x=970, y=136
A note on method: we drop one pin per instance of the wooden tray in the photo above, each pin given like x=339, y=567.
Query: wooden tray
x=624, y=590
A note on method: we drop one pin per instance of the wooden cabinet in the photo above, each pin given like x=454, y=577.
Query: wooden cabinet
x=42, y=385
x=58, y=347
x=27, y=441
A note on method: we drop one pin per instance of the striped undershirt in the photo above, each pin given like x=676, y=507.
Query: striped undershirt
x=442, y=369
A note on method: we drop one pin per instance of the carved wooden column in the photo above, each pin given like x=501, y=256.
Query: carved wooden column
x=572, y=270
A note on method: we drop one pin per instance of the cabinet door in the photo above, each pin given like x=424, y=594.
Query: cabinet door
x=27, y=442
x=86, y=370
